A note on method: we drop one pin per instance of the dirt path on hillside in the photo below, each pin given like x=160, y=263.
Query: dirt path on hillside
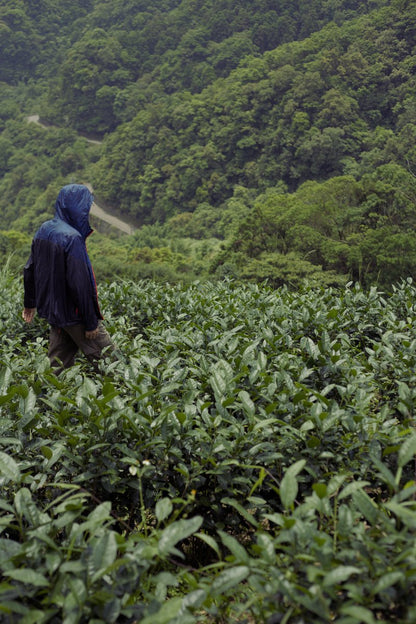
x=96, y=210
x=102, y=214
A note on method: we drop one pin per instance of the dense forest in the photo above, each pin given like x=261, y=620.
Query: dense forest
x=267, y=140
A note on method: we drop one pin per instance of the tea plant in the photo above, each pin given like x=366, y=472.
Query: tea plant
x=250, y=456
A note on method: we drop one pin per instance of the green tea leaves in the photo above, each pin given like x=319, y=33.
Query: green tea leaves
x=177, y=532
x=9, y=469
x=250, y=457
x=289, y=484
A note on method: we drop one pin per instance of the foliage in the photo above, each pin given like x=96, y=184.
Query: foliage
x=328, y=105
x=250, y=456
x=357, y=229
x=261, y=140
x=171, y=46
x=38, y=162
x=31, y=35
x=89, y=91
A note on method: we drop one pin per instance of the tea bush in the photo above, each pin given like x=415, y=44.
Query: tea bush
x=250, y=457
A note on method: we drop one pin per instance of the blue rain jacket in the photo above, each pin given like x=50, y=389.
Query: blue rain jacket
x=58, y=277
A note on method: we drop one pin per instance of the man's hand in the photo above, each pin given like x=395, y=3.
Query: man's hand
x=92, y=333
x=28, y=314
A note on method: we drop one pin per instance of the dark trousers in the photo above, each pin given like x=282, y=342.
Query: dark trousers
x=65, y=342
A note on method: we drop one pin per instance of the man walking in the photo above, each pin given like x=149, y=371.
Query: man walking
x=59, y=282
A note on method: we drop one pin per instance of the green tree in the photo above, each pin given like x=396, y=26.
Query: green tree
x=90, y=78
x=19, y=42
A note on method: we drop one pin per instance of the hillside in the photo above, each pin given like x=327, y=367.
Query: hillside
x=292, y=121
x=306, y=111
x=115, y=52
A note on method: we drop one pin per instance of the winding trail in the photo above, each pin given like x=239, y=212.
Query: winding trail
x=96, y=210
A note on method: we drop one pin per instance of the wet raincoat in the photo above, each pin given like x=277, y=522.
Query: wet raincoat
x=58, y=277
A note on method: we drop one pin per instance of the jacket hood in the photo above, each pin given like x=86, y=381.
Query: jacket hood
x=73, y=206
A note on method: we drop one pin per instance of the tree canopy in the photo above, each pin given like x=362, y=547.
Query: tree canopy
x=251, y=136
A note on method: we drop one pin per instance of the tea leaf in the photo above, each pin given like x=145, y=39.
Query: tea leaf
x=366, y=506
x=355, y=486
x=406, y=514
x=208, y=539
x=104, y=552
x=247, y=403
x=27, y=576
x=9, y=468
x=388, y=580
x=407, y=451
x=359, y=614
x=236, y=549
x=289, y=483
x=228, y=579
x=177, y=532
x=163, y=509
x=166, y=613
x=339, y=575
x=241, y=510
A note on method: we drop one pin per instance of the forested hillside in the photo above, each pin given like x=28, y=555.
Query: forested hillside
x=260, y=140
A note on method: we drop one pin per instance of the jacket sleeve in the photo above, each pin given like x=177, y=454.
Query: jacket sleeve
x=29, y=284
x=81, y=284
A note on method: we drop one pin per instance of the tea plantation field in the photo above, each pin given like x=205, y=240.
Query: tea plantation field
x=249, y=458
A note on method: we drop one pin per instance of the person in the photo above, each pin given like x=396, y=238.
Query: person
x=59, y=282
